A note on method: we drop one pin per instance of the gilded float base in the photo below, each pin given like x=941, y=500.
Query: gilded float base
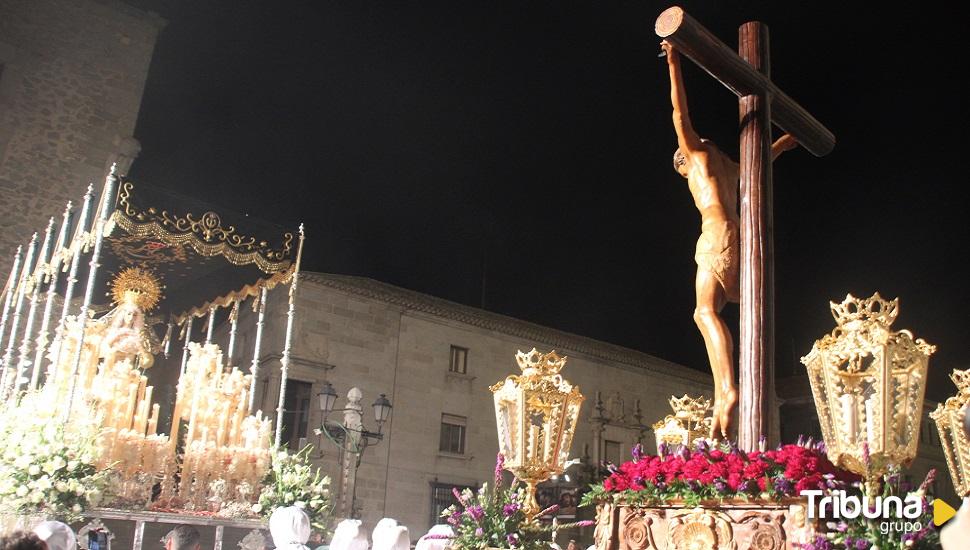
x=718, y=526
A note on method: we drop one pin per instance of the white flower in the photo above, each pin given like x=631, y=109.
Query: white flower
x=72, y=464
x=22, y=462
x=62, y=487
x=44, y=483
x=22, y=490
x=289, y=497
x=36, y=497
x=257, y=508
x=299, y=504
x=33, y=469
x=76, y=508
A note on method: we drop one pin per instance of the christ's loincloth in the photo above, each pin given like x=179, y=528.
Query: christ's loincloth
x=719, y=252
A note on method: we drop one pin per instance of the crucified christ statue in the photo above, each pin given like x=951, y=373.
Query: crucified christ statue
x=712, y=177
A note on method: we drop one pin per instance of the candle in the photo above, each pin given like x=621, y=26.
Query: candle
x=153, y=422
x=850, y=415
x=870, y=426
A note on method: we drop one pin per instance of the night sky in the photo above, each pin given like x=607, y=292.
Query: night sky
x=516, y=156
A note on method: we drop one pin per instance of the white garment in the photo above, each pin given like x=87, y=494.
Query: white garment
x=424, y=543
x=349, y=536
x=388, y=535
x=57, y=535
x=290, y=528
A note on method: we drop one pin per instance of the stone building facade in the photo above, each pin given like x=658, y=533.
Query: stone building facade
x=72, y=74
x=435, y=360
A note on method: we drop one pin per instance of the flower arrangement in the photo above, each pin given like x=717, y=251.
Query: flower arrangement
x=885, y=534
x=494, y=518
x=717, y=473
x=293, y=481
x=47, y=468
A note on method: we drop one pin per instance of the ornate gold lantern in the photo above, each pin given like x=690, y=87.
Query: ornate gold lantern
x=688, y=423
x=536, y=414
x=949, y=418
x=868, y=382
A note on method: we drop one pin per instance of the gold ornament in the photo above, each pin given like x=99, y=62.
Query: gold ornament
x=688, y=423
x=949, y=422
x=868, y=382
x=536, y=414
x=136, y=285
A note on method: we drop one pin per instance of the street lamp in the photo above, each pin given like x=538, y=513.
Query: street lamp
x=350, y=435
x=352, y=428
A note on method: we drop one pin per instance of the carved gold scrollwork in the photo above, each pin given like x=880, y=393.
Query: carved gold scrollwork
x=206, y=234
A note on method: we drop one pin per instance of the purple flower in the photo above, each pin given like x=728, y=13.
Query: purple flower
x=866, y=457
x=861, y=544
x=702, y=446
x=749, y=486
x=475, y=512
x=660, y=485
x=611, y=468
x=842, y=527
x=762, y=443
x=801, y=441
x=479, y=532
x=783, y=486
x=930, y=476
x=512, y=539
x=683, y=452
x=499, y=466
x=637, y=452
x=510, y=509
x=694, y=485
x=455, y=518
x=664, y=449
x=549, y=511
x=720, y=486
x=585, y=523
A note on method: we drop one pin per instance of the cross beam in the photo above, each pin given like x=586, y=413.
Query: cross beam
x=761, y=103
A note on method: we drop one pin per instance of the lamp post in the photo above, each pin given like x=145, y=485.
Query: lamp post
x=351, y=436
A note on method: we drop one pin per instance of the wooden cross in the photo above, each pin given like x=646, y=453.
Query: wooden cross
x=761, y=103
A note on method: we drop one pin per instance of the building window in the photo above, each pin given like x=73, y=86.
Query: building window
x=611, y=451
x=442, y=496
x=453, y=434
x=459, y=360
x=296, y=412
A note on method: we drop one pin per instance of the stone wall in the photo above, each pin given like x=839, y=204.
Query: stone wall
x=72, y=74
x=357, y=332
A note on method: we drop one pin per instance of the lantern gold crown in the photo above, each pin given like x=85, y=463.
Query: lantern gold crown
x=690, y=407
x=543, y=364
x=856, y=312
x=949, y=418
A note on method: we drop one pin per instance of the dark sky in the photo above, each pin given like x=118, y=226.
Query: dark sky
x=434, y=145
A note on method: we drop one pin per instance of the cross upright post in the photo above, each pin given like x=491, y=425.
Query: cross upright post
x=761, y=103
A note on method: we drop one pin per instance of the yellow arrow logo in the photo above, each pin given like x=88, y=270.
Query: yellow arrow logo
x=942, y=512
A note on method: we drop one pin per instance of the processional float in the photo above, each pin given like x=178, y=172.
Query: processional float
x=92, y=310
